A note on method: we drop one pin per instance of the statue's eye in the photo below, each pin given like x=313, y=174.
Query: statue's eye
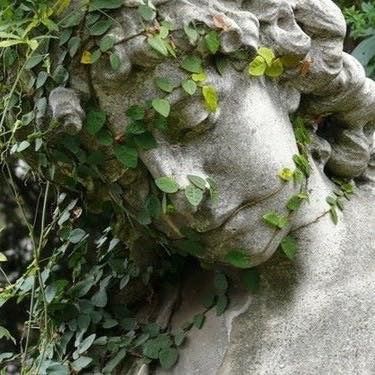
x=189, y=119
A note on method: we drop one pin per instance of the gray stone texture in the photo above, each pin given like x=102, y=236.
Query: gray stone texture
x=312, y=316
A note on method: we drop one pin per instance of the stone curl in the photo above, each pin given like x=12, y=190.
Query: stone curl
x=335, y=84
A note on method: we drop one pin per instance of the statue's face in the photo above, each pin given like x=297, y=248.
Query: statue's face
x=242, y=147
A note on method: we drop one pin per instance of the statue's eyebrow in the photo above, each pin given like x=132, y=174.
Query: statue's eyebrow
x=273, y=11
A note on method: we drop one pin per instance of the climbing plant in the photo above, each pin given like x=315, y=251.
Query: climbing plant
x=78, y=287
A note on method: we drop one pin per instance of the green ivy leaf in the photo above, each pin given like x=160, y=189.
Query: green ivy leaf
x=331, y=201
x=238, y=258
x=100, y=27
x=294, y=203
x=106, y=4
x=340, y=205
x=198, y=320
x=212, y=41
x=33, y=61
x=73, y=45
x=275, y=220
x=199, y=182
x=95, y=56
x=302, y=164
x=275, y=70
x=161, y=106
x=221, y=304
x=189, y=86
x=22, y=146
x=167, y=185
x=136, y=112
x=199, y=77
x=158, y=44
x=128, y=156
x=221, y=282
x=86, y=344
x=95, y=120
x=106, y=43
x=214, y=190
x=289, y=246
x=104, y=137
x=192, y=64
x=267, y=54
x=60, y=75
x=152, y=348
x=164, y=84
x=115, y=61
x=257, y=67
x=334, y=216
x=192, y=34
x=4, y=333
x=81, y=363
x=100, y=299
x=41, y=80
x=194, y=195
x=146, y=12
x=221, y=63
x=179, y=337
x=145, y=141
x=136, y=127
x=168, y=357
x=153, y=206
x=114, y=362
x=76, y=235
x=211, y=98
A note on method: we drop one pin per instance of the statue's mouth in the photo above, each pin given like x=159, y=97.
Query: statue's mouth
x=208, y=221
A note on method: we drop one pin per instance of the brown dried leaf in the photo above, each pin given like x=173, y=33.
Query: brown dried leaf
x=222, y=22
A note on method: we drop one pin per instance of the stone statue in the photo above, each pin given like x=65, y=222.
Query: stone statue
x=316, y=315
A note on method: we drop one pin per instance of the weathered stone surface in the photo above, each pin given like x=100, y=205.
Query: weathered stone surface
x=249, y=139
x=312, y=316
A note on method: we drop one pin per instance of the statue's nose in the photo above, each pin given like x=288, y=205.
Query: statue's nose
x=290, y=40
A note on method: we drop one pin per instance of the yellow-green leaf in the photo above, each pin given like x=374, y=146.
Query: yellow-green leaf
x=257, y=67
x=9, y=43
x=3, y=258
x=60, y=6
x=199, y=77
x=86, y=57
x=211, y=98
x=33, y=44
x=286, y=174
x=267, y=55
x=276, y=69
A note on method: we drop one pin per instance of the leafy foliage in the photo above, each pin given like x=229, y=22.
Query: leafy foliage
x=81, y=257
x=266, y=63
x=361, y=20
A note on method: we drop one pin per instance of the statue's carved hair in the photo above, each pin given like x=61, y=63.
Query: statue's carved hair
x=335, y=84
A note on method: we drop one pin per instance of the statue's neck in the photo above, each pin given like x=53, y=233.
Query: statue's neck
x=319, y=188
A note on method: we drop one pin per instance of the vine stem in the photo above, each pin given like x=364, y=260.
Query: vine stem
x=5, y=275
x=41, y=283
x=37, y=248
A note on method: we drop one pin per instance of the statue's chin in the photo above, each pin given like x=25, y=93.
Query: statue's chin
x=242, y=230
x=246, y=233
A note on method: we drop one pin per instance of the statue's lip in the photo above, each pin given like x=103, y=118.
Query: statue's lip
x=175, y=234
x=244, y=205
